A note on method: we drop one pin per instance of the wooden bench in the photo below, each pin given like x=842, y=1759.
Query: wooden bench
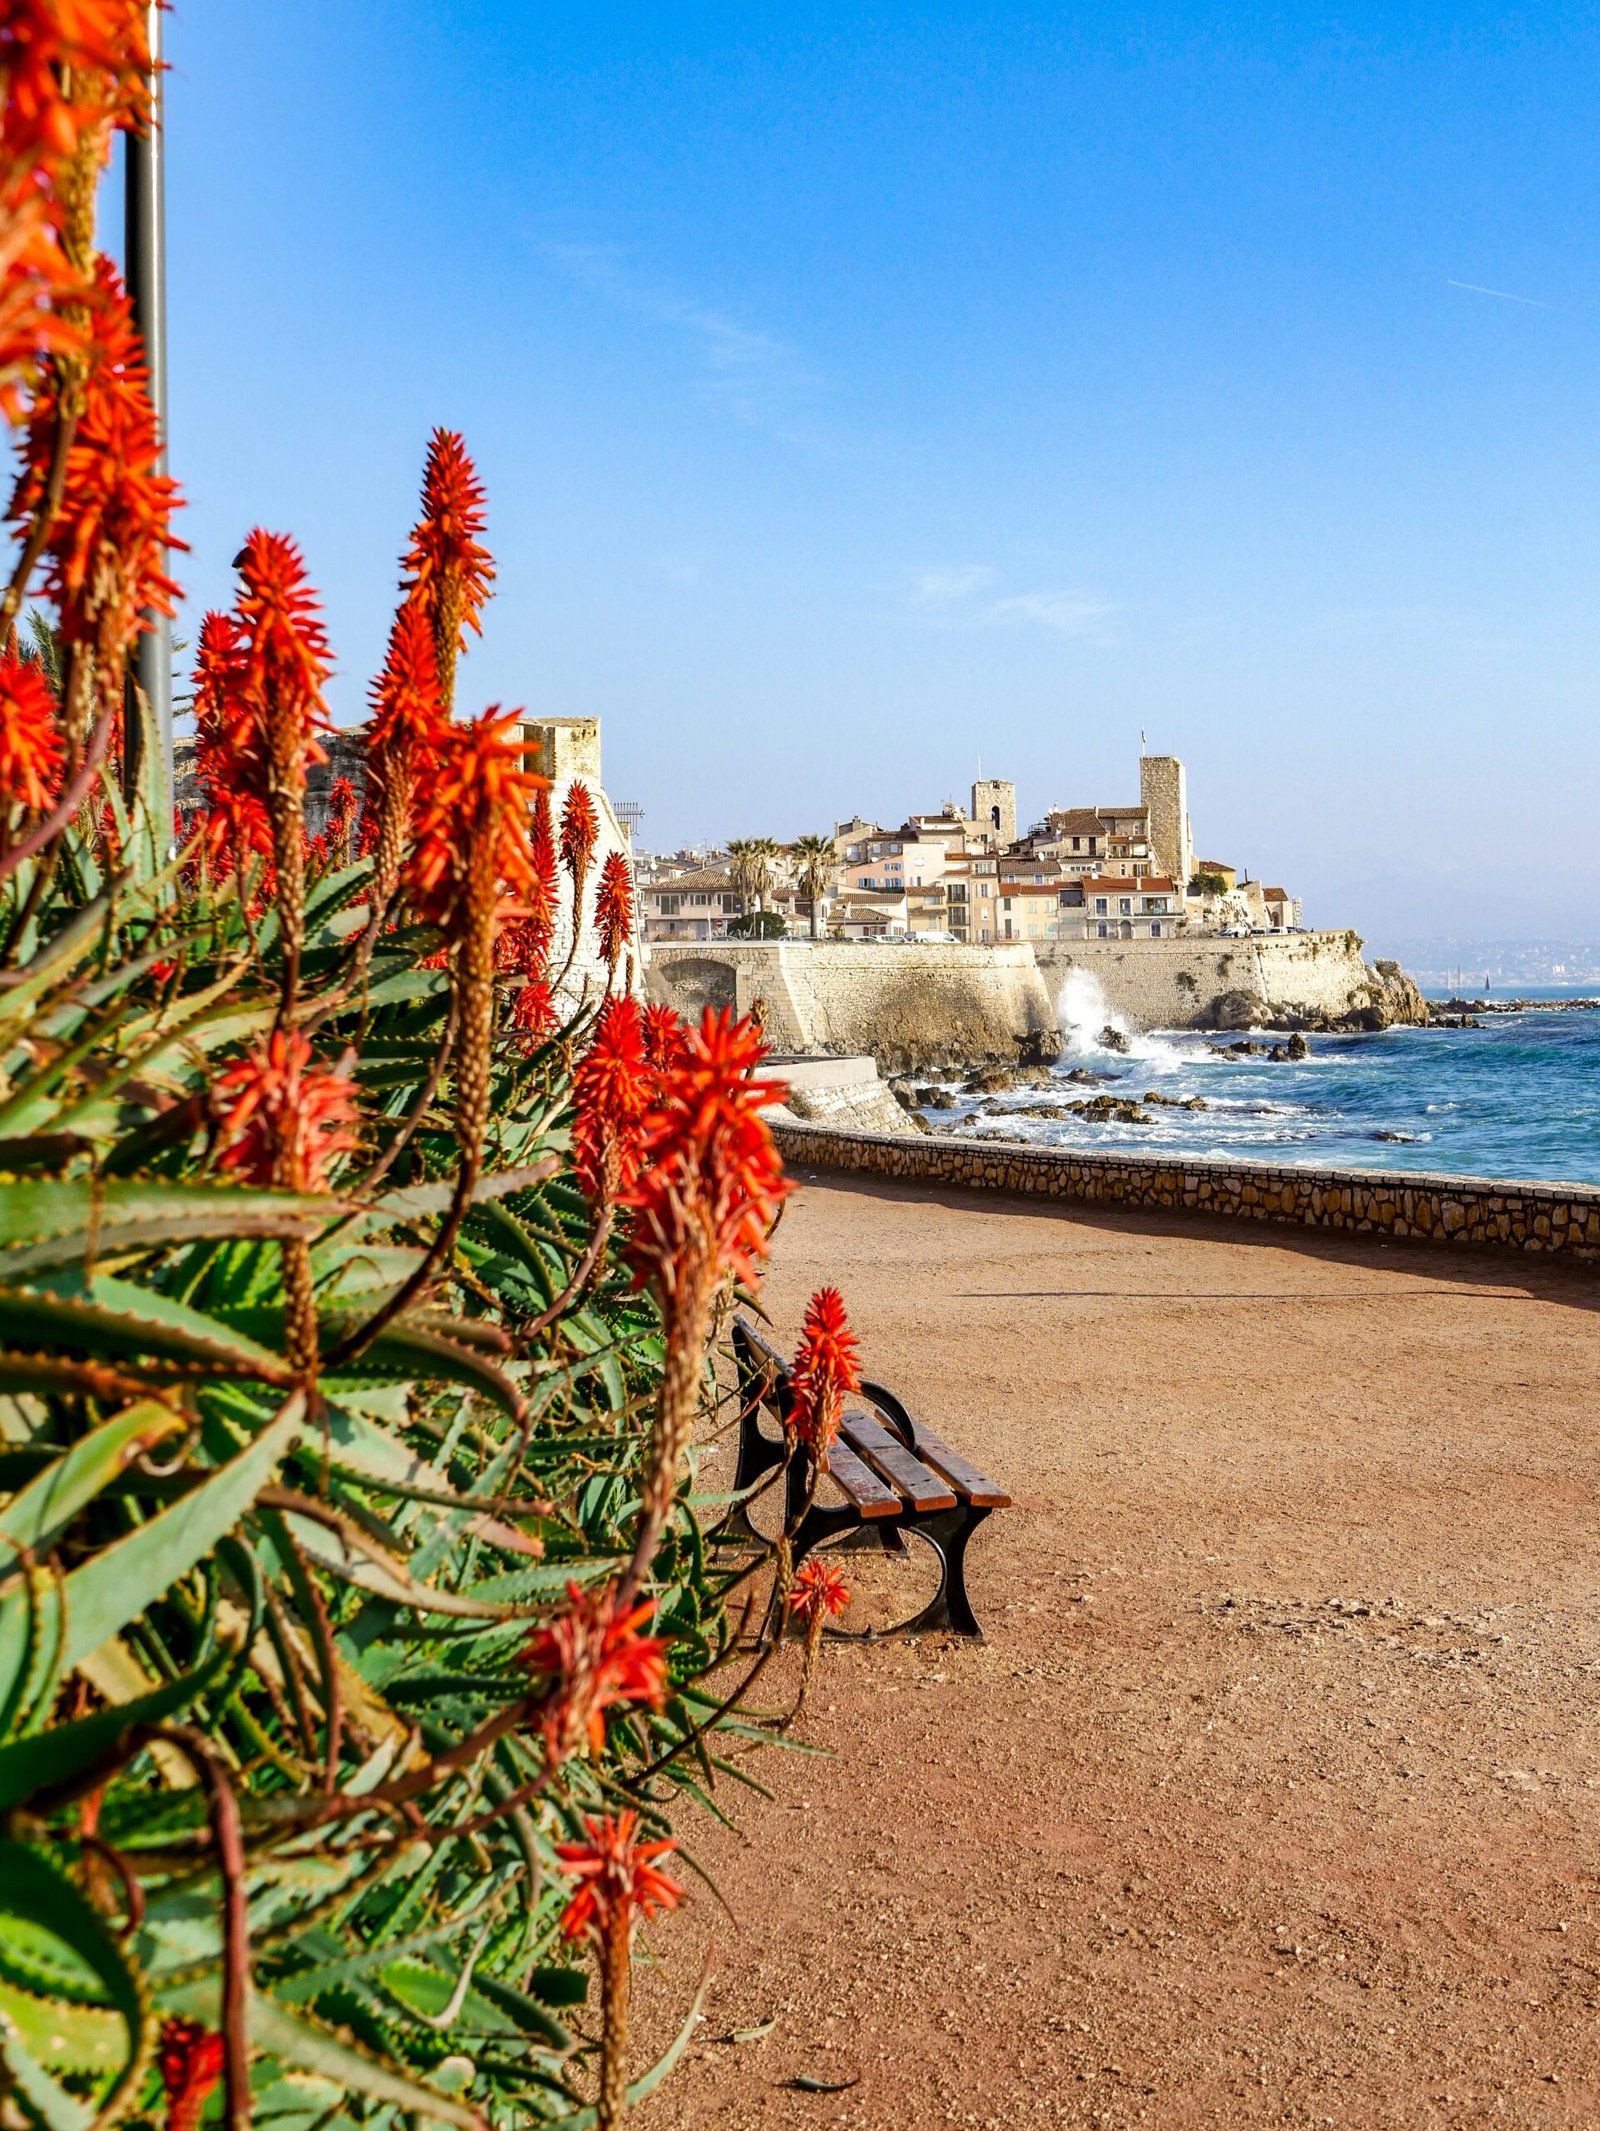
x=893, y=1473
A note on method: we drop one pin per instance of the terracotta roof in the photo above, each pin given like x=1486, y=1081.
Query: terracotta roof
x=1115, y=884
x=1276, y=895
x=1076, y=821
x=675, y=883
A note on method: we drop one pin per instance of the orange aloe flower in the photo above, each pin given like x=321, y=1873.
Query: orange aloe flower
x=106, y=555
x=341, y=813
x=580, y=828
x=617, y=1878
x=618, y=1881
x=827, y=1364
x=819, y=1591
x=613, y=910
x=284, y=1119
x=32, y=750
x=533, y=1013
x=407, y=710
x=593, y=1658
x=447, y=567
x=711, y=1181
x=282, y=662
x=612, y=1089
x=663, y=1035
x=707, y=1192
x=71, y=71
x=473, y=820
x=543, y=847
x=46, y=43
x=191, y=2065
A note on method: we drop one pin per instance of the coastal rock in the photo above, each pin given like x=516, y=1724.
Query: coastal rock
x=1110, y=1109
x=1233, y=1010
x=995, y=1080
x=1297, y=1047
x=1113, y=1039
x=1082, y=1077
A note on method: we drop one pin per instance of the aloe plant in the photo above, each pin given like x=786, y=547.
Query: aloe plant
x=349, y=1346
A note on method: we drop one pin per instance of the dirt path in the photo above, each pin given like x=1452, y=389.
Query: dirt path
x=1274, y=1795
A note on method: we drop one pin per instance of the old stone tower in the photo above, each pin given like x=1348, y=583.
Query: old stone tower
x=994, y=809
x=1164, y=789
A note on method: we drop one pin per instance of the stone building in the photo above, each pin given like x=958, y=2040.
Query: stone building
x=1164, y=793
x=994, y=812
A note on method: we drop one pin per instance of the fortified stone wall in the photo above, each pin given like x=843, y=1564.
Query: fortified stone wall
x=1216, y=983
x=904, y=1005
x=1563, y=1218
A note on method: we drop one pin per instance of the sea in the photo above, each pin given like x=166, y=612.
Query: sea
x=1517, y=1097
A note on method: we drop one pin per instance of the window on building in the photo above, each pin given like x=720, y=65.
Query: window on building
x=1103, y=928
x=1005, y=902
x=1155, y=930
x=671, y=905
x=1101, y=907
x=1125, y=905
x=1077, y=843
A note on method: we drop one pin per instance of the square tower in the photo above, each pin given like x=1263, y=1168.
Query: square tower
x=1164, y=791
x=994, y=809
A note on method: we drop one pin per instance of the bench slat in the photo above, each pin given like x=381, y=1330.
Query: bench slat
x=925, y=1491
x=866, y=1492
x=762, y=1345
x=964, y=1477
x=969, y=1483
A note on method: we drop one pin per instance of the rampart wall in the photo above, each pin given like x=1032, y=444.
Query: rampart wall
x=1563, y=1218
x=1217, y=983
x=925, y=1005
x=904, y=1005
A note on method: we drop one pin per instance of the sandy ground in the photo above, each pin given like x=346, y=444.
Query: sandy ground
x=1273, y=1796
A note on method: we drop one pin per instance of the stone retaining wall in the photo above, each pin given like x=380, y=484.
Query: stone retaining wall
x=1440, y=1209
x=1203, y=982
x=905, y=1005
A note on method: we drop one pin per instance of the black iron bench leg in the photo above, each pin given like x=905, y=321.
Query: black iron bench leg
x=950, y=1609
x=758, y=1454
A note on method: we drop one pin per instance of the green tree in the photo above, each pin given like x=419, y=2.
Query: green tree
x=815, y=860
x=751, y=858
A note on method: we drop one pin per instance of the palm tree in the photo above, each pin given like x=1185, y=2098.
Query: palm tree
x=751, y=858
x=815, y=859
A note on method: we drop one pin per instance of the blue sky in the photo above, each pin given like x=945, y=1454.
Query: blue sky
x=862, y=391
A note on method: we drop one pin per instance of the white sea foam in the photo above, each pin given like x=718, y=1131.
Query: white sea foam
x=1084, y=1014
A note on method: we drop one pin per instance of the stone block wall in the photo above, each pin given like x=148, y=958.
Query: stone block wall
x=903, y=1005
x=1561, y=1218
x=1217, y=983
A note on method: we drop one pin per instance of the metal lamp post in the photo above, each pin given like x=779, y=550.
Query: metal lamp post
x=145, y=262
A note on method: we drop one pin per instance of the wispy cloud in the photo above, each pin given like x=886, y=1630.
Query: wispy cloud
x=939, y=587
x=1067, y=613
x=953, y=594
x=1475, y=288
x=758, y=377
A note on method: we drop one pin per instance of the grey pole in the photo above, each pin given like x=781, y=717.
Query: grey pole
x=145, y=256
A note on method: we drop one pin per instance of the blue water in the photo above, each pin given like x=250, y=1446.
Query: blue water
x=1518, y=1097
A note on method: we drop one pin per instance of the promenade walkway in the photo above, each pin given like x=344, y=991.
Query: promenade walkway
x=1274, y=1797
